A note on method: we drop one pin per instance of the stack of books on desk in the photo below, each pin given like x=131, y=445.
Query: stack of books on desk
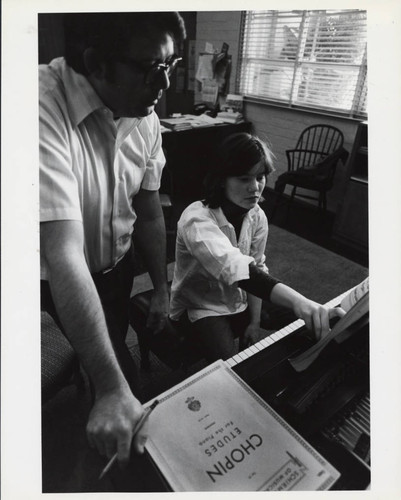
x=180, y=123
x=230, y=116
x=185, y=122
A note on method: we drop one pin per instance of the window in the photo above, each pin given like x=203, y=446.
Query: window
x=311, y=59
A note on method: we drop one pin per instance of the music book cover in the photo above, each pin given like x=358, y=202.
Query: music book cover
x=212, y=432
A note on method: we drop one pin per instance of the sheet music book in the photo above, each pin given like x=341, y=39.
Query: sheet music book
x=212, y=432
x=356, y=305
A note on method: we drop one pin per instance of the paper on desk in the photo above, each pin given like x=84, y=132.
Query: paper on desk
x=207, y=120
x=192, y=121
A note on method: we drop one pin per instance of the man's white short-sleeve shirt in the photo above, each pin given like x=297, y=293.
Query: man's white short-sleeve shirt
x=91, y=166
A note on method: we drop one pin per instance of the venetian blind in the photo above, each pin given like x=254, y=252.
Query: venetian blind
x=307, y=58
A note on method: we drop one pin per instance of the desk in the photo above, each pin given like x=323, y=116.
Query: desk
x=189, y=154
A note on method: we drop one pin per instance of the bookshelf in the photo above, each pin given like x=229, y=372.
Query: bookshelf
x=351, y=223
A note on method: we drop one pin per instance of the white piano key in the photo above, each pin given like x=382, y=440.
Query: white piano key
x=258, y=347
x=254, y=349
x=243, y=354
x=265, y=342
x=230, y=362
x=237, y=358
x=287, y=329
x=249, y=351
x=275, y=336
x=270, y=340
x=280, y=334
x=293, y=326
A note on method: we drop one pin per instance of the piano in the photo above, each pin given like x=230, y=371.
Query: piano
x=328, y=403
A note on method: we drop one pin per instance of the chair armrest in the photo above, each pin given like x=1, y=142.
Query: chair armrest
x=312, y=165
x=339, y=154
x=299, y=158
x=331, y=160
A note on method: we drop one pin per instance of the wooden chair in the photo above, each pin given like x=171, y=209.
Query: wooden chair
x=312, y=164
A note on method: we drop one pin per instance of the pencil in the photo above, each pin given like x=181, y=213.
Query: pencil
x=137, y=428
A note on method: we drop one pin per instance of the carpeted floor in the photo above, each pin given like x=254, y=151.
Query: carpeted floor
x=68, y=465
x=318, y=273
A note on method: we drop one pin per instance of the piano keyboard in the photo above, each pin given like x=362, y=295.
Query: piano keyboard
x=276, y=336
x=352, y=428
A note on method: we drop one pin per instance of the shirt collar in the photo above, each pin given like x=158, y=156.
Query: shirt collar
x=81, y=97
x=83, y=100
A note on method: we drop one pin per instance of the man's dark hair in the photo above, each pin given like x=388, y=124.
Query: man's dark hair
x=236, y=155
x=111, y=32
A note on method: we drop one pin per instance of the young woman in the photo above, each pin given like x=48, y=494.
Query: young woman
x=220, y=275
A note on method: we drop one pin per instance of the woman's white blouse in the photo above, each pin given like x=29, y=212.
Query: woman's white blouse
x=210, y=261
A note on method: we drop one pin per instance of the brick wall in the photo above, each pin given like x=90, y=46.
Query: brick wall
x=217, y=28
x=280, y=126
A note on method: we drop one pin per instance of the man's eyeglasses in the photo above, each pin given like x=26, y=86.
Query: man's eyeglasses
x=152, y=72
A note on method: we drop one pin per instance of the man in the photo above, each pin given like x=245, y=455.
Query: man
x=100, y=167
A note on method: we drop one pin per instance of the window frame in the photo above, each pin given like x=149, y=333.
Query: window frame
x=358, y=109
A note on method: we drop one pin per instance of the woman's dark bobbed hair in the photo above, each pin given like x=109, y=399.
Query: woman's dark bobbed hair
x=236, y=155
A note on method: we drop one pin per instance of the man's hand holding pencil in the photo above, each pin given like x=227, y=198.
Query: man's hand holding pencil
x=139, y=436
x=113, y=425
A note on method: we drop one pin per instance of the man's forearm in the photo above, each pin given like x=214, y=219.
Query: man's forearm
x=81, y=314
x=150, y=239
x=116, y=410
